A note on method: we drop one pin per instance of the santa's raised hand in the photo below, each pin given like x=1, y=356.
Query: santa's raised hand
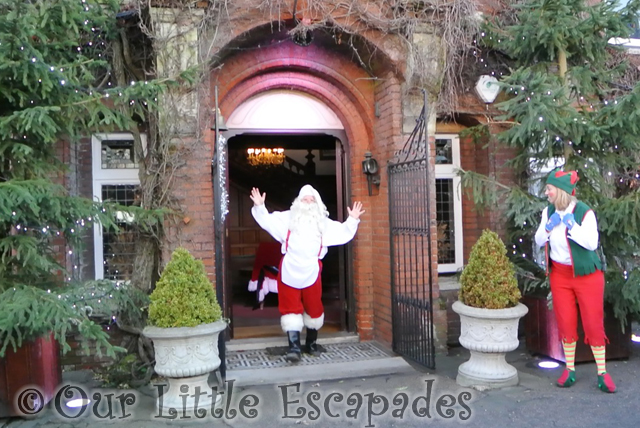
x=256, y=197
x=356, y=211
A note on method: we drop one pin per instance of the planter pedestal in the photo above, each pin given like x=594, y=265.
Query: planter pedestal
x=488, y=334
x=35, y=364
x=178, y=387
x=186, y=356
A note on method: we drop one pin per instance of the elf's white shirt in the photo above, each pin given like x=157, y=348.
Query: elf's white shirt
x=585, y=235
x=300, y=267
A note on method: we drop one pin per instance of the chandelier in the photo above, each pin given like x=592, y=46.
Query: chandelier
x=265, y=157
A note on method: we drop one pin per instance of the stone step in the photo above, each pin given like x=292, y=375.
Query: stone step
x=316, y=373
x=252, y=362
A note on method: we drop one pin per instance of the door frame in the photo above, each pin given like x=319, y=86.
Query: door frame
x=343, y=188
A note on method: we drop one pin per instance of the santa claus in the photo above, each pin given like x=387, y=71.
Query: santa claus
x=305, y=231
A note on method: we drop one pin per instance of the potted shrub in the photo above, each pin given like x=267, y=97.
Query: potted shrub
x=489, y=309
x=184, y=322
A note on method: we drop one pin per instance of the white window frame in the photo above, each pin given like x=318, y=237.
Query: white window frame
x=105, y=177
x=449, y=171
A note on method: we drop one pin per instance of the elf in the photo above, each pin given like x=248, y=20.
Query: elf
x=569, y=232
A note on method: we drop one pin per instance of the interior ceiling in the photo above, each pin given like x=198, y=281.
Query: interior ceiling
x=286, y=141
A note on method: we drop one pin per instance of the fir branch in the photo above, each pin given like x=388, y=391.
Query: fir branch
x=482, y=190
x=29, y=312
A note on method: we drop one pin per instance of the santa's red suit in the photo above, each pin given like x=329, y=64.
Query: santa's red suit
x=299, y=279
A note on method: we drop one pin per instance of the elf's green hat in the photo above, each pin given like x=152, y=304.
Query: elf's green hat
x=564, y=180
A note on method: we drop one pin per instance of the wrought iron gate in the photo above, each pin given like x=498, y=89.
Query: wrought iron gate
x=410, y=235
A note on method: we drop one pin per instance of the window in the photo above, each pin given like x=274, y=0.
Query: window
x=633, y=42
x=115, y=178
x=448, y=203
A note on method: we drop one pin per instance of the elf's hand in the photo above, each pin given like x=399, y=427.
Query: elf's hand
x=553, y=221
x=569, y=220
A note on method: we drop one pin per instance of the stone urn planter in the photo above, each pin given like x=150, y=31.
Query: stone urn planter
x=488, y=334
x=186, y=356
x=489, y=308
x=184, y=323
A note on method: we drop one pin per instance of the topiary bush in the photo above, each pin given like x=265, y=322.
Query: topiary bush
x=488, y=280
x=183, y=296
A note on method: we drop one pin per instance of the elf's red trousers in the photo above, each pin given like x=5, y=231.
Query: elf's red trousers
x=296, y=301
x=588, y=290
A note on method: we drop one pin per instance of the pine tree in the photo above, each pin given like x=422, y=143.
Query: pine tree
x=54, y=63
x=573, y=102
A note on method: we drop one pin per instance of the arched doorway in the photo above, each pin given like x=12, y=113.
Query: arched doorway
x=310, y=142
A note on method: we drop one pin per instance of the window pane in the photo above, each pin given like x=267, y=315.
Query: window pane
x=443, y=151
x=445, y=220
x=118, y=154
x=119, y=248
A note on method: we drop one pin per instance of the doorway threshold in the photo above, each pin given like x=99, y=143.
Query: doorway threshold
x=251, y=344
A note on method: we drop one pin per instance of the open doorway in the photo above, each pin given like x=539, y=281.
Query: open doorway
x=314, y=159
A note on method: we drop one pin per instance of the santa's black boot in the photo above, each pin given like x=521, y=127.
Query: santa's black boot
x=311, y=342
x=294, y=354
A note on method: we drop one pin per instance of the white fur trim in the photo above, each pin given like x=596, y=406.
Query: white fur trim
x=308, y=190
x=269, y=285
x=291, y=322
x=314, y=323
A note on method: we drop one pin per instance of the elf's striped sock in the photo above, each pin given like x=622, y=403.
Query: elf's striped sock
x=599, y=355
x=605, y=382
x=568, y=377
x=570, y=354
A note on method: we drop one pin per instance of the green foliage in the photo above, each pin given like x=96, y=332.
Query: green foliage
x=29, y=312
x=477, y=133
x=127, y=372
x=55, y=62
x=488, y=280
x=183, y=296
x=585, y=119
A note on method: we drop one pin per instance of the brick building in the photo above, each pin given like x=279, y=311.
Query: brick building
x=326, y=102
x=327, y=108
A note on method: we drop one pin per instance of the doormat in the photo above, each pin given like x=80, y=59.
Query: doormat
x=333, y=353
x=278, y=351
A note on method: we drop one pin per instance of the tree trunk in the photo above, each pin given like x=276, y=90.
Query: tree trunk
x=147, y=251
x=562, y=72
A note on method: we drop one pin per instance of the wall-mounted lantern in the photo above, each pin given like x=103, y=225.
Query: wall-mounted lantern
x=371, y=170
x=487, y=88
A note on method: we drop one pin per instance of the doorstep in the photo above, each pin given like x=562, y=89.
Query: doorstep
x=249, y=363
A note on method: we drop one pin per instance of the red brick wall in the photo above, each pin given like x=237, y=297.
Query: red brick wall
x=388, y=139
x=88, y=359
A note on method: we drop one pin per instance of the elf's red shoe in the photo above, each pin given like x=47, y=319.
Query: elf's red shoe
x=605, y=383
x=567, y=379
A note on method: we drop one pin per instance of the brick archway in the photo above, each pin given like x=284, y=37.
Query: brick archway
x=369, y=107
x=342, y=86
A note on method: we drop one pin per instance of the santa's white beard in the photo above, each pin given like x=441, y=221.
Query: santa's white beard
x=306, y=218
